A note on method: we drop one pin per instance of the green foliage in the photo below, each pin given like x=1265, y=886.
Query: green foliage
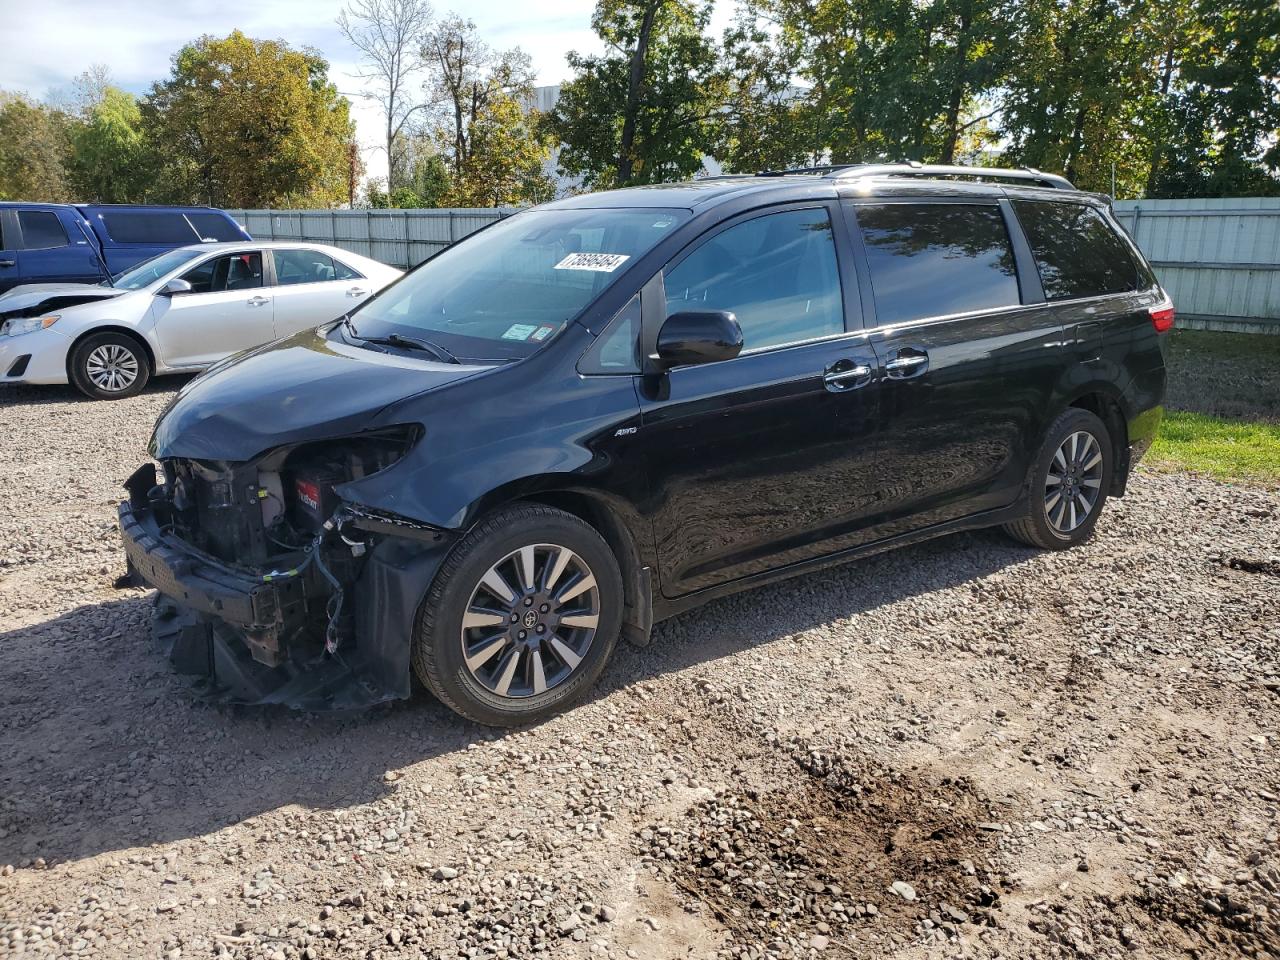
x=492, y=147
x=249, y=123
x=33, y=151
x=108, y=149
x=651, y=106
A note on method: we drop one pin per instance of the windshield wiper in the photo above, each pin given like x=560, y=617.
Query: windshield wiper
x=413, y=343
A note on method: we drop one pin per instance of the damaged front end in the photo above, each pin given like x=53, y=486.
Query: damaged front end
x=275, y=588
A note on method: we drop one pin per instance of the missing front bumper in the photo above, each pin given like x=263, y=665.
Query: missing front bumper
x=241, y=636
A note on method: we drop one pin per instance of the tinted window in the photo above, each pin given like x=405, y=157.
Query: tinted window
x=239, y=271
x=41, y=230
x=309, y=266
x=1076, y=251
x=132, y=226
x=214, y=226
x=776, y=273
x=933, y=259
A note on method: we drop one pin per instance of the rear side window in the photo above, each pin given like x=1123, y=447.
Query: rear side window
x=133, y=226
x=309, y=266
x=41, y=230
x=1076, y=251
x=934, y=259
x=214, y=226
x=776, y=273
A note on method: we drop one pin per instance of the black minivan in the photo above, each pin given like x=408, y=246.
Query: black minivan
x=603, y=411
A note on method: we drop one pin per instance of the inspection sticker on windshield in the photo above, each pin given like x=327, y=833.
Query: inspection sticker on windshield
x=519, y=331
x=599, y=262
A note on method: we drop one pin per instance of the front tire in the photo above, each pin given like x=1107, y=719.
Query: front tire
x=109, y=366
x=1068, y=484
x=521, y=619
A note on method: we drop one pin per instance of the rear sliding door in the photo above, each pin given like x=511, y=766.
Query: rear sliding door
x=968, y=356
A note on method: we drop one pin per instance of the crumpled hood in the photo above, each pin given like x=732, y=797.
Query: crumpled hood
x=306, y=387
x=32, y=294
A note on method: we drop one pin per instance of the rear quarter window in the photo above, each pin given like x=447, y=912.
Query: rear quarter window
x=132, y=226
x=1077, y=253
x=936, y=259
x=215, y=226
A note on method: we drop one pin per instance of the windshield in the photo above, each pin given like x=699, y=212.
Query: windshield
x=510, y=289
x=152, y=269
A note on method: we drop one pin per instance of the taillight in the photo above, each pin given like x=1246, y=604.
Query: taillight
x=1162, y=318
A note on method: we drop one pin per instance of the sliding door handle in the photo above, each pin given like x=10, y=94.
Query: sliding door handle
x=907, y=364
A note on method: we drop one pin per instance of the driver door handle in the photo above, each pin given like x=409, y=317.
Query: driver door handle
x=357, y=292
x=7, y=262
x=258, y=301
x=847, y=375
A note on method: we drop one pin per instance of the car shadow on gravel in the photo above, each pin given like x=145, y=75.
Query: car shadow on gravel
x=30, y=395
x=106, y=747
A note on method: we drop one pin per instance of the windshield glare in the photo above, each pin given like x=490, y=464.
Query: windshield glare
x=510, y=289
x=152, y=269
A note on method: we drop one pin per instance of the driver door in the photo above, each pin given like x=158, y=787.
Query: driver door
x=228, y=309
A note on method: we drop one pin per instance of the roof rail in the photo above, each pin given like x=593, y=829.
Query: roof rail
x=1026, y=174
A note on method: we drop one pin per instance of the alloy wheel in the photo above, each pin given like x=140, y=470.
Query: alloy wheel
x=530, y=621
x=112, y=367
x=1074, y=481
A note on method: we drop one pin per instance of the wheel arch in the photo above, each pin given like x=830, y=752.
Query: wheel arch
x=127, y=331
x=1105, y=402
x=619, y=525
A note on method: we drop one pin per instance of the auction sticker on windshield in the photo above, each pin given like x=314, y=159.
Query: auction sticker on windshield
x=519, y=331
x=599, y=262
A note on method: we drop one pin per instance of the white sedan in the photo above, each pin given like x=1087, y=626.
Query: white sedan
x=178, y=312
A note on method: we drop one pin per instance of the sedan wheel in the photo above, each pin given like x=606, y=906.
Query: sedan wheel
x=109, y=366
x=112, y=368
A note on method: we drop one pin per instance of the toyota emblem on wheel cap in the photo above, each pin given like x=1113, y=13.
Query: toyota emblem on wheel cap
x=530, y=619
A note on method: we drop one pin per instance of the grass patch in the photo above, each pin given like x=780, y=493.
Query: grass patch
x=1222, y=413
x=1224, y=449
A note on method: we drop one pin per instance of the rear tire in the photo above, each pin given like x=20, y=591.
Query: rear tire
x=1068, y=483
x=521, y=619
x=109, y=366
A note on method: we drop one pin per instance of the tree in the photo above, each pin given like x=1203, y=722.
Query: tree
x=768, y=121
x=482, y=121
x=33, y=151
x=1223, y=108
x=107, y=149
x=389, y=35
x=249, y=123
x=649, y=109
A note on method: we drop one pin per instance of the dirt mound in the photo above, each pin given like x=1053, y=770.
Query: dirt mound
x=842, y=861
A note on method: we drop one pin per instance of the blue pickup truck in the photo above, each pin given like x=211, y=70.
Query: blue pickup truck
x=66, y=243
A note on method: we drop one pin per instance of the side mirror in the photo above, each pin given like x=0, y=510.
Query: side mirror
x=699, y=336
x=175, y=285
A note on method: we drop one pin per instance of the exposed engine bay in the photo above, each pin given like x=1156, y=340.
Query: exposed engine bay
x=272, y=585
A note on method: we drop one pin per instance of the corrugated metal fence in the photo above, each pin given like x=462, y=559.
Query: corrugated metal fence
x=402, y=238
x=1220, y=259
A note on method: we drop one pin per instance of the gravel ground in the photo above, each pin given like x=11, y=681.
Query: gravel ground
x=964, y=748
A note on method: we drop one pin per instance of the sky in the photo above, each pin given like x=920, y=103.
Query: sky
x=44, y=45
